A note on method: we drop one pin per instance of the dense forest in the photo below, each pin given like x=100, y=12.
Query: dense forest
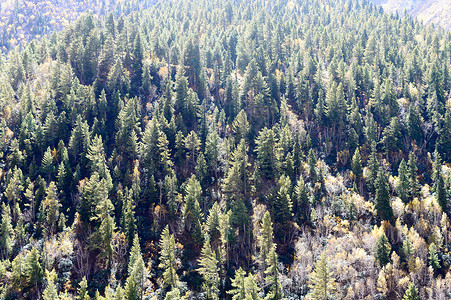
x=228, y=149
x=23, y=20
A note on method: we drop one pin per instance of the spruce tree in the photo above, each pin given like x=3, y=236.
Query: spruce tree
x=373, y=166
x=237, y=178
x=208, y=268
x=268, y=154
x=33, y=268
x=266, y=237
x=174, y=294
x=412, y=174
x=403, y=188
x=321, y=280
x=301, y=202
x=273, y=276
x=171, y=193
x=282, y=203
x=240, y=126
x=238, y=290
x=433, y=258
x=383, y=250
x=311, y=162
x=137, y=272
x=192, y=212
x=97, y=162
x=135, y=254
x=168, y=259
x=83, y=290
x=50, y=292
x=382, y=199
x=128, y=224
x=439, y=184
x=51, y=209
x=411, y=293
x=356, y=166
x=6, y=232
x=137, y=64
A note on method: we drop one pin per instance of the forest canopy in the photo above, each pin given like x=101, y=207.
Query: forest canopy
x=228, y=149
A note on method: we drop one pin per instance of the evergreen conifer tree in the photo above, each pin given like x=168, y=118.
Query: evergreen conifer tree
x=383, y=250
x=208, y=268
x=403, y=188
x=83, y=290
x=168, y=259
x=266, y=237
x=50, y=292
x=6, y=231
x=411, y=293
x=321, y=280
x=382, y=199
x=273, y=276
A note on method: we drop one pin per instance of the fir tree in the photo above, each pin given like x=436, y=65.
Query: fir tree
x=168, y=259
x=47, y=163
x=282, y=203
x=6, y=231
x=412, y=174
x=439, y=184
x=373, y=166
x=321, y=280
x=50, y=292
x=237, y=178
x=50, y=209
x=382, y=199
x=192, y=212
x=356, y=166
x=104, y=235
x=208, y=268
x=240, y=126
x=266, y=237
x=83, y=290
x=238, y=291
x=33, y=268
x=135, y=254
x=433, y=259
x=268, y=155
x=403, y=188
x=301, y=202
x=273, y=276
x=383, y=250
x=14, y=189
x=411, y=293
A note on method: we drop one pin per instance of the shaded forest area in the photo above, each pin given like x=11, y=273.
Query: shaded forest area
x=228, y=149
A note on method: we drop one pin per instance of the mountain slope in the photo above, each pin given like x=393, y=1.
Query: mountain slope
x=22, y=20
x=200, y=149
x=428, y=11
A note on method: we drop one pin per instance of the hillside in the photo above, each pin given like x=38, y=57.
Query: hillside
x=428, y=11
x=22, y=20
x=227, y=149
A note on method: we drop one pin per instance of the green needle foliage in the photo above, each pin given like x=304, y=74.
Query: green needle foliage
x=321, y=280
